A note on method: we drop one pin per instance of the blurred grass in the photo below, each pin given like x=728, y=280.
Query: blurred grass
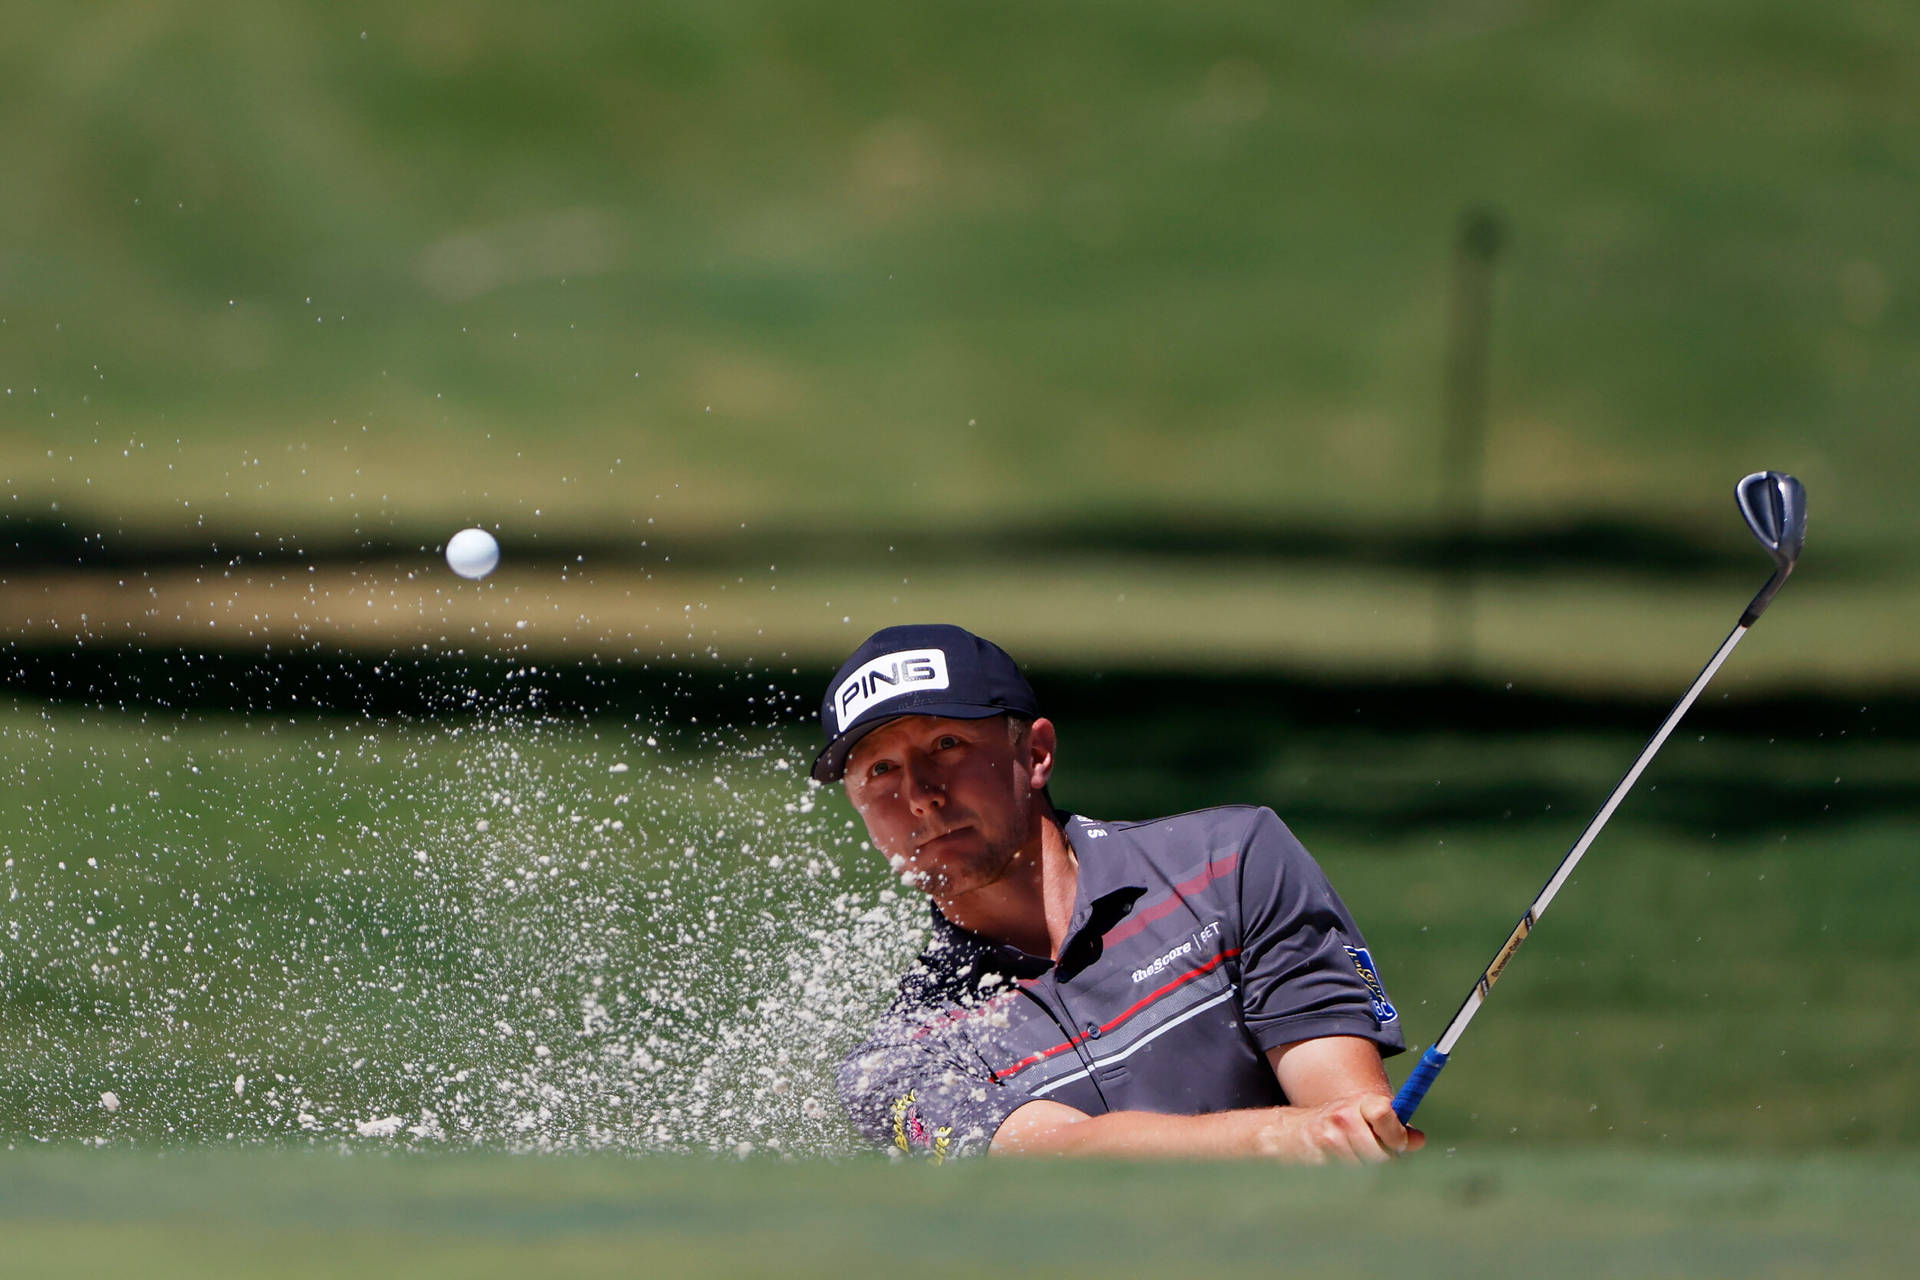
x=69, y=1212
x=345, y=267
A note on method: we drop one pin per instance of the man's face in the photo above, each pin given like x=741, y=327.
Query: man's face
x=950, y=802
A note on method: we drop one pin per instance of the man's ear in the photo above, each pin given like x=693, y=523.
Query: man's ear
x=1040, y=744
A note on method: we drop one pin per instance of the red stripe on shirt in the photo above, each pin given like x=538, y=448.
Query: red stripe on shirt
x=1123, y=1015
x=952, y=1016
x=1141, y=919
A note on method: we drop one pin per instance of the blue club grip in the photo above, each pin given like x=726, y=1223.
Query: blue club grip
x=1407, y=1101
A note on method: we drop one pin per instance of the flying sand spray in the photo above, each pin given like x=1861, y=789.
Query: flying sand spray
x=493, y=925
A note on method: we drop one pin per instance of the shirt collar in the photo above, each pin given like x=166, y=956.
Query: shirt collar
x=1106, y=869
x=1105, y=889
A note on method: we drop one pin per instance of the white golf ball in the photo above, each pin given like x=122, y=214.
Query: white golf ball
x=472, y=553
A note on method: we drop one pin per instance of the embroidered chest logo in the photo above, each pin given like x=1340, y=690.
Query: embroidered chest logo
x=910, y=1131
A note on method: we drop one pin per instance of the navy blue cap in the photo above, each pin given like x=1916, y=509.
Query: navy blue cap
x=922, y=670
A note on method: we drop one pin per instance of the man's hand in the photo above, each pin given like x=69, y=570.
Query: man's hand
x=1343, y=1104
x=1357, y=1129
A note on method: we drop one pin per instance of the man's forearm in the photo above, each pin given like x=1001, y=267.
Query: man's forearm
x=1360, y=1127
x=1140, y=1135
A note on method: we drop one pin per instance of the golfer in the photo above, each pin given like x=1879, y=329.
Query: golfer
x=1185, y=986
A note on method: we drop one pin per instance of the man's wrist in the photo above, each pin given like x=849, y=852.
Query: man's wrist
x=1274, y=1134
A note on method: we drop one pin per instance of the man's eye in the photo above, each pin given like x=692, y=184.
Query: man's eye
x=946, y=740
x=878, y=767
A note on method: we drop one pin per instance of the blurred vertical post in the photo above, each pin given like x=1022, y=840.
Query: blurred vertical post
x=1469, y=326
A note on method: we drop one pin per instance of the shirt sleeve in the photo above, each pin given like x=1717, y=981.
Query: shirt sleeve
x=912, y=1090
x=1305, y=970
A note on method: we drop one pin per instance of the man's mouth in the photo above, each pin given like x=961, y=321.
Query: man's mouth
x=932, y=843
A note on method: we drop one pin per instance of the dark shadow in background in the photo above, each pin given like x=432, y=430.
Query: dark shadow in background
x=1134, y=742
x=1614, y=545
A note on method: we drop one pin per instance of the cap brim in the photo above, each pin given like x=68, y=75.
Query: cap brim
x=831, y=764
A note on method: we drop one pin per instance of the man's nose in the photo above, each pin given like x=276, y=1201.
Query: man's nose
x=925, y=791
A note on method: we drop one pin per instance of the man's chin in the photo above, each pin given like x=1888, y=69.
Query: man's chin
x=951, y=878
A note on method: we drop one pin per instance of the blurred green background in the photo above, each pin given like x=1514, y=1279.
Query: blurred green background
x=1117, y=331
x=316, y=264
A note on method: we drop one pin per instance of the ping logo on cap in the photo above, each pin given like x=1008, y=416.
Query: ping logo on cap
x=888, y=676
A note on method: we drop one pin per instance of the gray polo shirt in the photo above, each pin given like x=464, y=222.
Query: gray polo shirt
x=1197, y=943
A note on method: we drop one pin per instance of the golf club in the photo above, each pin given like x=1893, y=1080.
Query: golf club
x=1774, y=505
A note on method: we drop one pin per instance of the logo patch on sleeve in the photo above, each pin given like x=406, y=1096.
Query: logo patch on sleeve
x=1376, y=993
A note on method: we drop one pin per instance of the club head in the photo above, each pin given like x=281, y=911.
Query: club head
x=1775, y=507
